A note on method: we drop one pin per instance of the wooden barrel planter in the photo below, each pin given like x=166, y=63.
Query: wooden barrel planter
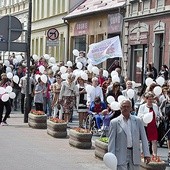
x=80, y=138
x=153, y=165
x=101, y=148
x=57, y=130
x=37, y=121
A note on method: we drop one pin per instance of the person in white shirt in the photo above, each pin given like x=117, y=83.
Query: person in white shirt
x=97, y=91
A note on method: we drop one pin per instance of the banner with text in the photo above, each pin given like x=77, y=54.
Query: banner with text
x=101, y=51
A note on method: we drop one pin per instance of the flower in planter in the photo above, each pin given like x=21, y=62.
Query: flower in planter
x=81, y=130
x=37, y=112
x=57, y=120
x=154, y=159
x=104, y=139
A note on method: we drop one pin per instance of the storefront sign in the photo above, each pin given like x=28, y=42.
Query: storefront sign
x=101, y=51
x=115, y=22
x=81, y=28
x=138, y=38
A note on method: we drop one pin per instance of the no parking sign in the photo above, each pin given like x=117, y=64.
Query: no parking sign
x=52, y=33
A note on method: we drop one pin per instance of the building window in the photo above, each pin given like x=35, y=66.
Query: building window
x=134, y=7
x=146, y=5
x=160, y=3
x=58, y=6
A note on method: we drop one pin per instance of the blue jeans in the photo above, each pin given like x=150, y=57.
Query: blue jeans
x=47, y=107
x=99, y=120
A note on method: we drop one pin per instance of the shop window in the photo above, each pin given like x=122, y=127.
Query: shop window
x=80, y=43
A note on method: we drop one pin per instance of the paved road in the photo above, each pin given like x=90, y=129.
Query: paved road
x=23, y=148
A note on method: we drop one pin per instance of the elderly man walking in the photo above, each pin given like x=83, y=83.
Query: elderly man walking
x=125, y=134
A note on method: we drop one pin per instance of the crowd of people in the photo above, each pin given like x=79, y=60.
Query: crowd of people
x=68, y=86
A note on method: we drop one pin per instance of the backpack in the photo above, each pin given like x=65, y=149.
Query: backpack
x=167, y=110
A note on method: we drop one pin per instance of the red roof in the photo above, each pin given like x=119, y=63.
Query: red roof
x=92, y=6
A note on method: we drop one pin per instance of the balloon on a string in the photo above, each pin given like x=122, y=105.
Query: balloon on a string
x=114, y=73
x=89, y=67
x=69, y=64
x=79, y=65
x=15, y=79
x=157, y=90
x=130, y=93
x=76, y=52
x=8, y=69
x=105, y=73
x=110, y=161
x=121, y=98
x=160, y=80
x=63, y=69
x=14, y=61
x=35, y=57
x=6, y=63
x=37, y=76
x=47, y=56
x=148, y=117
x=2, y=90
x=52, y=60
x=64, y=76
x=115, y=106
x=54, y=68
x=8, y=89
x=12, y=95
x=5, y=97
x=19, y=58
x=44, y=78
x=84, y=76
x=133, y=84
x=149, y=81
x=115, y=79
x=110, y=99
x=95, y=70
x=41, y=69
x=9, y=75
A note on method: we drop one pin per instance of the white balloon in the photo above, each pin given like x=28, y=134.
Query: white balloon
x=16, y=79
x=149, y=81
x=9, y=75
x=37, y=76
x=8, y=69
x=52, y=60
x=35, y=57
x=63, y=69
x=110, y=99
x=15, y=61
x=114, y=73
x=133, y=84
x=69, y=64
x=115, y=106
x=160, y=80
x=79, y=65
x=89, y=67
x=110, y=160
x=130, y=93
x=46, y=56
x=41, y=69
x=76, y=52
x=105, y=73
x=84, y=76
x=157, y=90
x=8, y=89
x=5, y=97
x=64, y=76
x=44, y=78
x=19, y=58
x=12, y=95
x=89, y=89
x=115, y=79
x=121, y=98
x=95, y=70
x=6, y=63
x=2, y=90
x=54, y=68
x=147, y=118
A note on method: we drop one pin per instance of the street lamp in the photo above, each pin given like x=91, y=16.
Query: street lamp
x=27, y=98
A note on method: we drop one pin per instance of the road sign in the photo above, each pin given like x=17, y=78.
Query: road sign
x=52, y=33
